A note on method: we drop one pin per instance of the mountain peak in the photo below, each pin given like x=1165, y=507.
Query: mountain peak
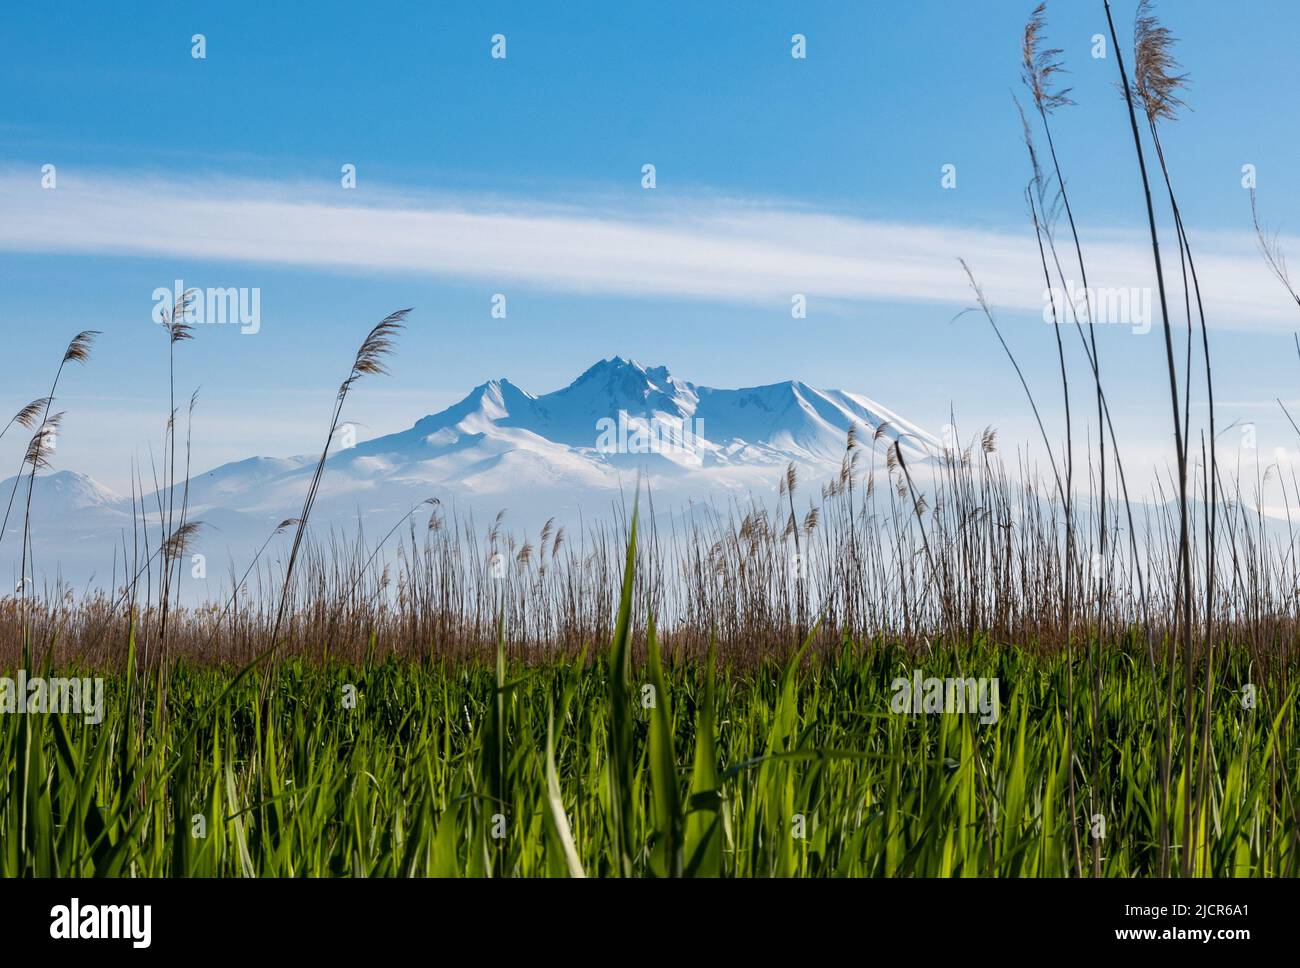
x=625, y=384
x=66, y=490
x=615, y=365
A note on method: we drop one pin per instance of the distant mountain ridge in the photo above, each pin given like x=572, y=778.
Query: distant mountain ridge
x=575, y=449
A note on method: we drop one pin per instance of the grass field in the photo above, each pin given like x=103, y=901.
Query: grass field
x=601, y=766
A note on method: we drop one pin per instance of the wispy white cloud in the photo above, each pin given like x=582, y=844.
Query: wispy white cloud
x=724, y=251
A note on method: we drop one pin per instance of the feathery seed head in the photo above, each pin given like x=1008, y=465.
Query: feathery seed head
x=1041, y=65
x=79, y=349
x=376, y=346
x=1155, y=73
x=28, y=415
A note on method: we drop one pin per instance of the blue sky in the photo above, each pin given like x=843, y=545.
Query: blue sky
x=523, y=176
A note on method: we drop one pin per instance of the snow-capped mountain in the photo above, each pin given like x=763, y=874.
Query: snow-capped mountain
x=577, y=449
x=615, y=420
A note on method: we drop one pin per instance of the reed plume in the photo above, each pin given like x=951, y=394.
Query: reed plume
x=369, y=360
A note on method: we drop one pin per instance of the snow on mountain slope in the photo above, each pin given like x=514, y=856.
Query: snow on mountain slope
x=615, y=421
x=572, y=432
x=231, y=482
x=576, y=449
x=794, y=420
x=61, y=492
